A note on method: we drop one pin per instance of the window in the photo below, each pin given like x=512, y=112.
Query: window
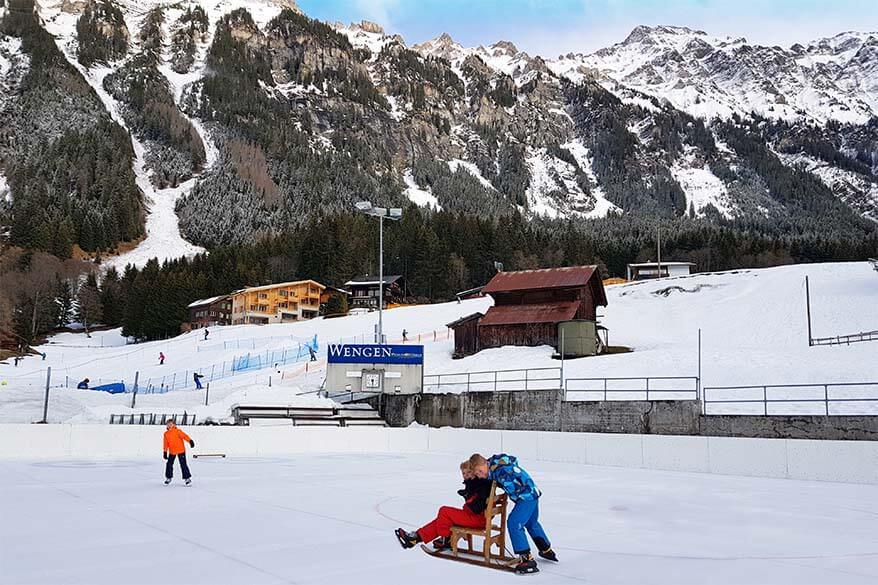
x=263, y=295
x=283, y=293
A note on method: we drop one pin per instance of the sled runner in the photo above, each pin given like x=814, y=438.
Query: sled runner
x=492, y=535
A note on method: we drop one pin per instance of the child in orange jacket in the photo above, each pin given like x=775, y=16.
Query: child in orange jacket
x=175, y=448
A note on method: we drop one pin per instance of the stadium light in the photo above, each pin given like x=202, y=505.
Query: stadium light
x=382, y=213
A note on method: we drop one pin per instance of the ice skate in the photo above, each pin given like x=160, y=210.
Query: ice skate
x=526, y=564
x=406, y=539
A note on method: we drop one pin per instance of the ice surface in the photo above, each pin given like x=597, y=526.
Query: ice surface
x=328, y=518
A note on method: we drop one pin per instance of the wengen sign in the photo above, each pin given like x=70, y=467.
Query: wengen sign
x=376, y=354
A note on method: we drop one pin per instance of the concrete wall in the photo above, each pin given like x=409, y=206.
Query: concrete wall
x=664, y=417
x=853, y=428
x=545, y=410
x=846, y=461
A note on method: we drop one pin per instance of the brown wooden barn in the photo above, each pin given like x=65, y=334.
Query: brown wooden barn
x=528, y=306
x=466, y=335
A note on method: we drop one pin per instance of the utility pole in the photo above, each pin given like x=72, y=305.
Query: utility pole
x=381, y=279
x=698, y=384
x=134, y=392
x=658, y=242
x=808, y=309
x=46, y=401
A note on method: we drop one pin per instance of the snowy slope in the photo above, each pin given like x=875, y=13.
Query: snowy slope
x=701, y=186
x=163, y=239
x=418, y=196
x=752, y=321
x=858, y=191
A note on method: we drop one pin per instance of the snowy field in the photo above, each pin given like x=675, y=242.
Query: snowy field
x=753, y=326
x=328, y=518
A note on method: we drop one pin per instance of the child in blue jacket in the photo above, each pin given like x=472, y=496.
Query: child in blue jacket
x=520, y=488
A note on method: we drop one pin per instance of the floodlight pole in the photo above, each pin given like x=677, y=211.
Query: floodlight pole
x=380, y=279
x=380, y=212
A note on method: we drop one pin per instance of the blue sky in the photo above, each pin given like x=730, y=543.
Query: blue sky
x=552, y=27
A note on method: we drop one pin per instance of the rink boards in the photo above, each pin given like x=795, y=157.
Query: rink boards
x=845, y=461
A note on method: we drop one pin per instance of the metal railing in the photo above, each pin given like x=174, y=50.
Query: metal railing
x=495, y=380
x=842, y=398
x=632, y=388
x=151, y=419
x=846, y=339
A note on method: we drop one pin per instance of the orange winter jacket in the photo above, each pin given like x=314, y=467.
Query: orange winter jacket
x=175, y=441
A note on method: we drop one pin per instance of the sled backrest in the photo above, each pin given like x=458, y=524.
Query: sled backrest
x=496, y=507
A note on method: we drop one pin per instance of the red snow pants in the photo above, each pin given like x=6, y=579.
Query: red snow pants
x=447, y=518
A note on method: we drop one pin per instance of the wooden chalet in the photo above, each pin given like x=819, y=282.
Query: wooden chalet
x=210, y=312
x=365, y=290
x=528, y=307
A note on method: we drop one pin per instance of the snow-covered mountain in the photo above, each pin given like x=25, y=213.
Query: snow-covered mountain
x=830, y=79
x=244, y=118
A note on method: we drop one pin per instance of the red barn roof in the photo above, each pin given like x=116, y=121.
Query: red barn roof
x=537, y=313
x=548, y=278
x=567, y=277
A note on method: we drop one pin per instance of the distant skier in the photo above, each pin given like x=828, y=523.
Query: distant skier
x=16, y=360
x=313, y=355
x=175, y=448
x=405, y=335
x=44, y=355
x=206, y=333
x=197, y=377
x=520, y=488
x=83, y=385
x=161, y=358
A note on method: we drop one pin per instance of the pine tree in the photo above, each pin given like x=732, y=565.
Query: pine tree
x=65, y=301
x=88, y=303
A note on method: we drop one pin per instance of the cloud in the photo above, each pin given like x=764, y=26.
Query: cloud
x=379, y=11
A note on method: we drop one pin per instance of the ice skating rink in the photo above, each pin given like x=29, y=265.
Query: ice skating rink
x=329, y=519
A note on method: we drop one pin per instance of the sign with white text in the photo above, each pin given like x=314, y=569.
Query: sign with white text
x=376, y=354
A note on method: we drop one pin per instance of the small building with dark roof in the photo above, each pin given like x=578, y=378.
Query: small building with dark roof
x=364, y=290
x=210, y=312
x=466, y=335
x=529, y=306
x=647, y=270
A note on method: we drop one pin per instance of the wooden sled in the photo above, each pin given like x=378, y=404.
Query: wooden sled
x=493, y=534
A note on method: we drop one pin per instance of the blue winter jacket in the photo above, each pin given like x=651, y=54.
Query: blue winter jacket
x=515, y=481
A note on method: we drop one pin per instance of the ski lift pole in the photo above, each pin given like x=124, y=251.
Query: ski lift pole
x=134, y=394
x=46, y=401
